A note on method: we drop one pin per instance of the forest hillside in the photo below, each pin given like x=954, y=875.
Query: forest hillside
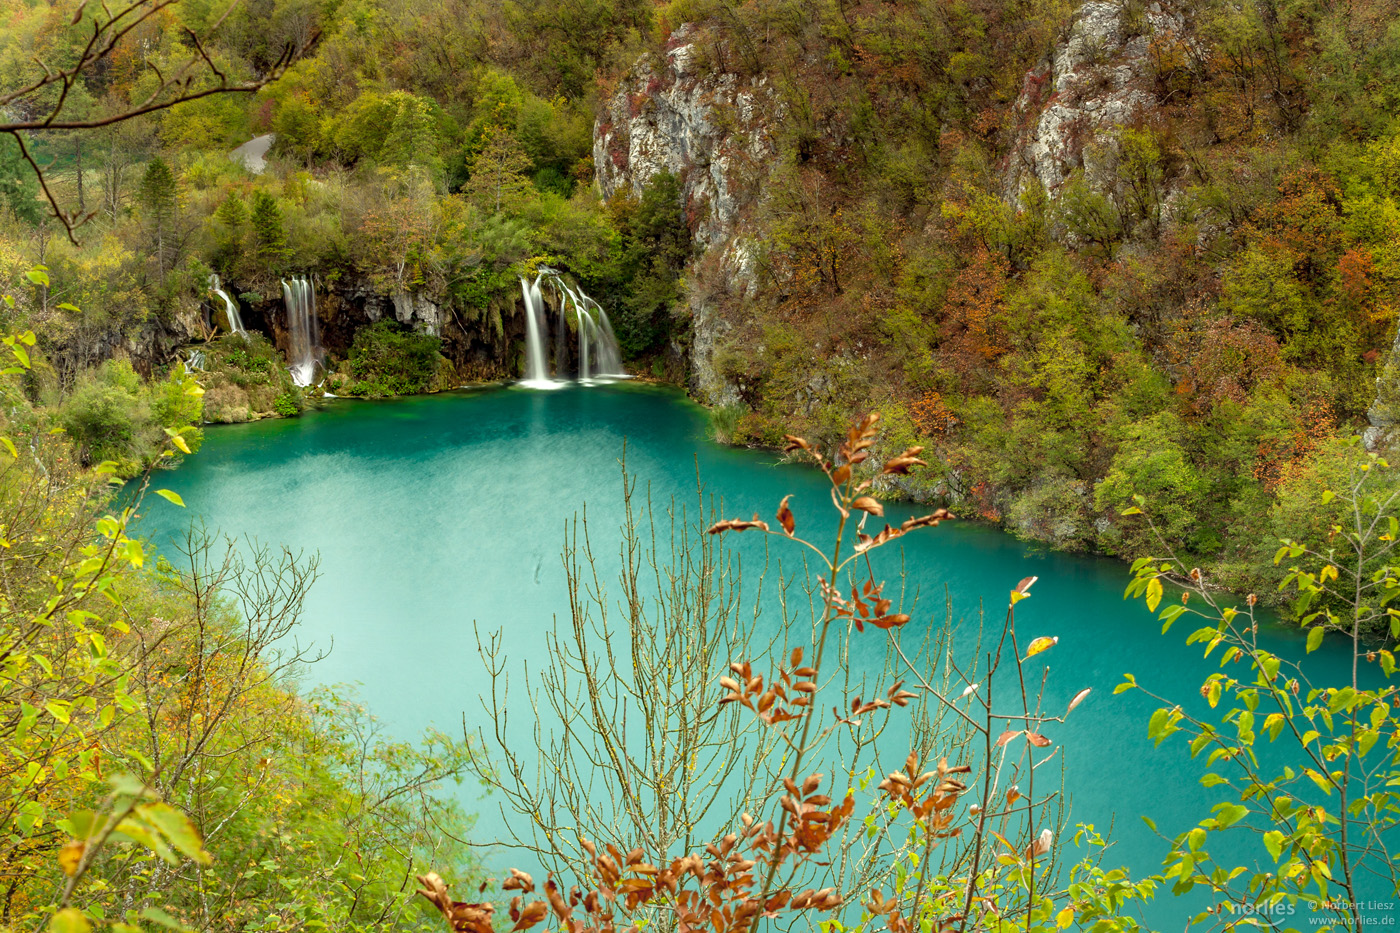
x=1079, y=252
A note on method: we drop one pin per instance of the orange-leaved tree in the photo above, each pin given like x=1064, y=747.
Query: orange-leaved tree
x=960, y=835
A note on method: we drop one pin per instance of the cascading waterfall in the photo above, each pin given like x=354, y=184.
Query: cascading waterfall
x=303, y=330
x=598, y=353
x=536, y=367
x=235, y=320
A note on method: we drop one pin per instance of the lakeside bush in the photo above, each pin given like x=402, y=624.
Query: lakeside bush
x=389, y=359
x=112, y=415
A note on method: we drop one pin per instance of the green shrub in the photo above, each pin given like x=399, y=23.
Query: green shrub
x=724, y=421
x=112, y=415
x=288, y=404
x=388, y=359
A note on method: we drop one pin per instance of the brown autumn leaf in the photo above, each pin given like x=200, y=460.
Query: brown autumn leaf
x=736, y=524
x=519, y=881
x=920, y=521
x=556, y=898
x=785, y=516
x=1078, y=698
x=869, y=504
x=903, y=463
x=1036, y=739
x=461, y=917
x=533, y=913
x=1007, y=736
x=1042, y=844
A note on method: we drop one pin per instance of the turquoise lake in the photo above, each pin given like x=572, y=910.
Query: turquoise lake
x=435, y=514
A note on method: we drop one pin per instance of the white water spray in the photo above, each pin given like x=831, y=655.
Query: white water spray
x=303, y=330
x=598, y=353
x=235, y=320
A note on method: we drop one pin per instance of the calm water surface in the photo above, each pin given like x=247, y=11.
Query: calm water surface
x=431, y=514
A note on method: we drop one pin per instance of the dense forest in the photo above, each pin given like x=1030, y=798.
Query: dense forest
x=1124, y=274
x=1129, y=250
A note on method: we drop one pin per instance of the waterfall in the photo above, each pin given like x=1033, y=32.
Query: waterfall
x=235, y=320
x=598, y=353
x=536, y=327
x=303, y=330
x=561, y=334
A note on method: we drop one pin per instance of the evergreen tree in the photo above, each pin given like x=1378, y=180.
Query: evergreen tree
x=231, y=219
x=18, y=189
x=499, y=174
x=268, y=236
x=412, y=140
x=157, y=195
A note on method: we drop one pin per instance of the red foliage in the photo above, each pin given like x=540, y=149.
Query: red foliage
x=971, y=326
x=1230, y=359
x=1278, y=460
x=1305, y=223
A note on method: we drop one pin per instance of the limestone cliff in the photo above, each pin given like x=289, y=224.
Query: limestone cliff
x=1104, y=75
x=713, y=129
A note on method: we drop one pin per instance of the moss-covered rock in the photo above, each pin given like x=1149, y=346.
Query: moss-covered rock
x=245, y=379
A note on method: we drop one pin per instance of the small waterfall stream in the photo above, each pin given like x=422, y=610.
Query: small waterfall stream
x=304, y=331
x=598, y=353
x=235, y=320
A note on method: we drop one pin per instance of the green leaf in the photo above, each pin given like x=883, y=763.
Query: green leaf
x=169, y=496
x=38, y=276
x=69, y=920
x=178, y=829
x=1154, y=593
x=1228, y=814
x=157, y=915
x=1314, y=638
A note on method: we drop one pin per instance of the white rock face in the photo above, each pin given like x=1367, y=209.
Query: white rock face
x=411, y=309
x=709, y=129
x=1097, y=80
x=712, y=129
x=416, y=311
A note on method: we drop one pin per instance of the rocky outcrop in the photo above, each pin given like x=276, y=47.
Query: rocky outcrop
x=1098, y=79
x=480, y=347
x=1383, y=430
x=710, y=128
x=713, y=130
x=72, y=346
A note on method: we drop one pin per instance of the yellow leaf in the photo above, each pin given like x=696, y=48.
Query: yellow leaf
x=1043, y=643
x=70, y=856
x=169, y=496
x=1154, y=593
x=179, y=442
x=69, y=920
x=1064, y=918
